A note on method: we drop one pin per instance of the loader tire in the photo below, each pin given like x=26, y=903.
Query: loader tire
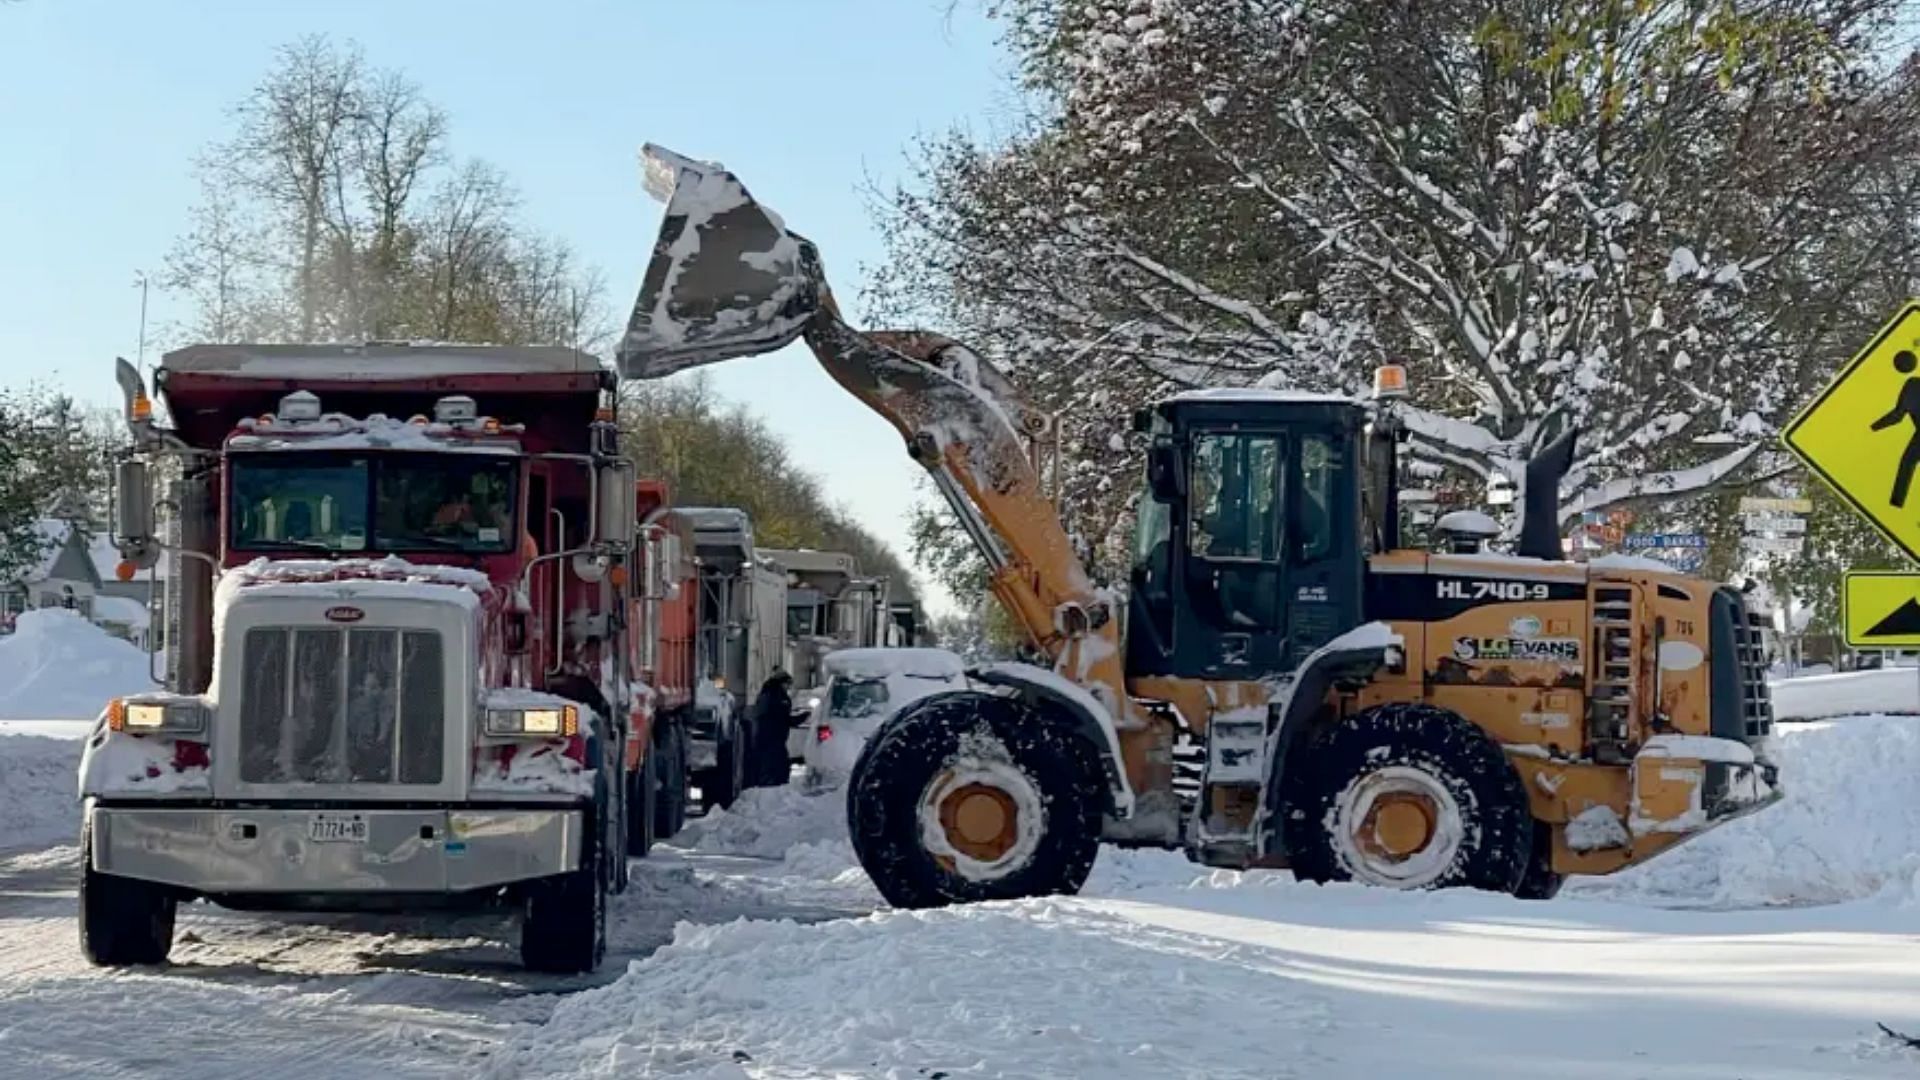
x=1407, y=796
x=122, y=921
x=1541, y=881
x=966, y=796
x=563, y=927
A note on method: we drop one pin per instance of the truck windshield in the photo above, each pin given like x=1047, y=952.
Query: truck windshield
x=383, y=502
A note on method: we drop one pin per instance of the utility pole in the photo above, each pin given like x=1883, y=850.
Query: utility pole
x=140, y=350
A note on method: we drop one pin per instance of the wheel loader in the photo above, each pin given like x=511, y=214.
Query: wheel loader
x=1361, y=711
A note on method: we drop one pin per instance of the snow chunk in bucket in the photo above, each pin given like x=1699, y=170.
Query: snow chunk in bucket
x=58, y=666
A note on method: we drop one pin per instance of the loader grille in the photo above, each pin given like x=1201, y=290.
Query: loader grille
x=336, y=706
x=1742, y=706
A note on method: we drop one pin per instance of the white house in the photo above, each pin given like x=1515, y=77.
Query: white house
x=78, y=573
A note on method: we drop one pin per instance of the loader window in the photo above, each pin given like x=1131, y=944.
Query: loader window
x=1317, y=465
x=1235, y=504
x=1236, y=531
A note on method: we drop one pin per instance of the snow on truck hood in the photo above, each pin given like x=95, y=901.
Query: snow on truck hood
x=390, y=578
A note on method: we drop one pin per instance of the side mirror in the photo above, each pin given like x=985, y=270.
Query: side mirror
x=133, y=514
x=1166, y=471
x=616, y=505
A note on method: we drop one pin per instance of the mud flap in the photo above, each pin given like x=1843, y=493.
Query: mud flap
x=726, y=279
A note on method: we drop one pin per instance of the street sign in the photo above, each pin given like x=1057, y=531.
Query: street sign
x=1775, y=545
x=1881, y=610
x=1642, y=541
x=1862, y=434
x=1755, y=505
x=1775, y=523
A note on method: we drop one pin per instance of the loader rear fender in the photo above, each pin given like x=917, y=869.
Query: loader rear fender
x=1302, y=707
x=1075, y=710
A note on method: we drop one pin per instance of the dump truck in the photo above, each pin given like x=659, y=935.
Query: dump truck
x=433, y=646
x=1367, y=711
x=742, y=619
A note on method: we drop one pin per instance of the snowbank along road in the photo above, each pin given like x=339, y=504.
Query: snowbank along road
x=1767, y=949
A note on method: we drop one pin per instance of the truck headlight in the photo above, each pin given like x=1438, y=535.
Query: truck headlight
x=542, y=722
x=157, y=717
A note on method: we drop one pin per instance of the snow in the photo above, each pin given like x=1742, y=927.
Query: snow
x=376, y=432
x=389, y=578
x=754, y=947
x=1818, y=697
x=123, y=610
x=1468, y=522
x=881, y=663
x=39, y=806
x=1373, y=635
x=121, y=763
x=1596, y=827
x=1260, y=395
x=1640, y=563
x=1682, y=264
x=56, y=664
x=1847, y=828
x=1697, y=748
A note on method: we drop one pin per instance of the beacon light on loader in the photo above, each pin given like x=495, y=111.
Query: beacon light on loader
x=1389, y=381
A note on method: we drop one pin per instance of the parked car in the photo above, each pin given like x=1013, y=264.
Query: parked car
x=863, y=688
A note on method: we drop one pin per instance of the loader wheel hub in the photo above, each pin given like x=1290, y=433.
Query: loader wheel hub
x=1401, y=825
x=1398, y=826
x=981, y=818
x=979, y=821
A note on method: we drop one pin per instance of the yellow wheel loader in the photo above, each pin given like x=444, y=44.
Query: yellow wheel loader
x=1281, y=683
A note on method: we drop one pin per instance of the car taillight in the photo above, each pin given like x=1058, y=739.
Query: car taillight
x=823, y=732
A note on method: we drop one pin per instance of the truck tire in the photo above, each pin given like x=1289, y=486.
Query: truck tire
x=643, y=804
x=563, y=928
x=670, y=800
x=1407, y=796
x=122, y=921
x=721, y=785
x=969, y=796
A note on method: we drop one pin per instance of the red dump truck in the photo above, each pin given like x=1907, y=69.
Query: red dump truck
x=431, y=643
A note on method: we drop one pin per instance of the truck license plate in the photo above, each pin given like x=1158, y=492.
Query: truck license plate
x=336, y=829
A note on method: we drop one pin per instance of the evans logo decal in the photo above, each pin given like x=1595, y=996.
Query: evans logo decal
x=344, y=613
x=1547, y=650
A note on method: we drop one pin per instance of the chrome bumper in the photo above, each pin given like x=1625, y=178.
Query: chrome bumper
x=272, y=850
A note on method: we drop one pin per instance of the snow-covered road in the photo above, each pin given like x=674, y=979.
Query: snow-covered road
x=757, y=949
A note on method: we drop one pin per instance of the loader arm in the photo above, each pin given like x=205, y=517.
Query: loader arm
x=727, y=279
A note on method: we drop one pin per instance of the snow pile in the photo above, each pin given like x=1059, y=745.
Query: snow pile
x=37, y=801
x=986, y=990
x=776, y=823
x=57, y=665
x=1852, y=693
x=1848, y=828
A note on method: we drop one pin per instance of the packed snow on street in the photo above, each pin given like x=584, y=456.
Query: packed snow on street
x=755, y=947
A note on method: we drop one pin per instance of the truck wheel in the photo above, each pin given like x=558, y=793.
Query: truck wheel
x=1407, y=796
x=563, y=929
x=968, y=796
x=723, y=783
x=670, y=801
x=642, y=803
x=122, y=921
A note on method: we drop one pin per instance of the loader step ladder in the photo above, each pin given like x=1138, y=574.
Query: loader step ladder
x=1614, y=692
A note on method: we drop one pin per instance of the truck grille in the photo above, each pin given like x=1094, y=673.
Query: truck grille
x=336, y=706
x=1742, y=706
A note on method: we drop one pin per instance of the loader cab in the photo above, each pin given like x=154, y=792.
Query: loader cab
x=1249, y=545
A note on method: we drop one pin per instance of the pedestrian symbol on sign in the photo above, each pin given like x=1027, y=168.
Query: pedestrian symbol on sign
x=1906, y=408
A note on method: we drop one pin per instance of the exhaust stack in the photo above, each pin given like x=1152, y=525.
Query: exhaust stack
x=726, y=279
x=1540, y=514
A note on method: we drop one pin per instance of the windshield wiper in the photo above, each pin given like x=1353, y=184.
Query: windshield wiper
x=438, y=541
x=305, y=545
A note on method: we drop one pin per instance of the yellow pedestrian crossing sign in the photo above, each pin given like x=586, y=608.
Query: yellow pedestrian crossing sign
x=1862, y=434
x=1881, y=610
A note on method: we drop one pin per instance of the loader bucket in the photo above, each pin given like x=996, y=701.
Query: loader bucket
x=727, y=279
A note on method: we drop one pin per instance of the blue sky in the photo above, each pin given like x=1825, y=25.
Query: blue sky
x=103, y=106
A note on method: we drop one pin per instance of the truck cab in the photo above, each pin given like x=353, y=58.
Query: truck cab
x=406, y=586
